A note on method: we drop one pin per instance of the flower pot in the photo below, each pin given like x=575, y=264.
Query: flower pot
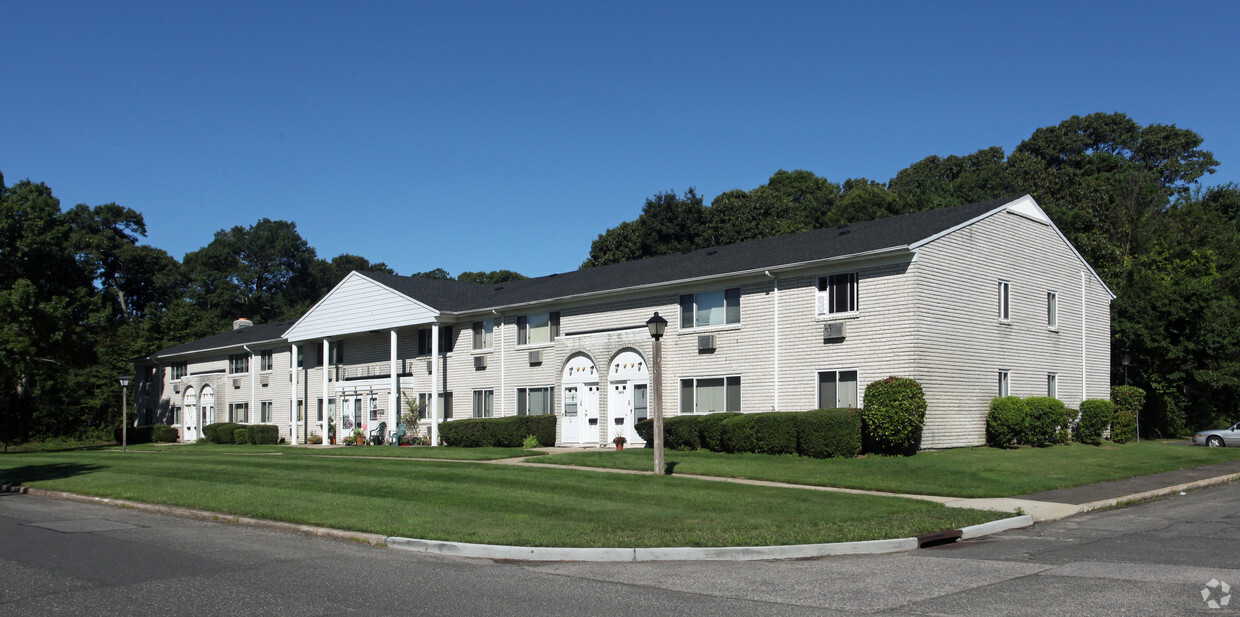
x=332, y=441
x=619, y=447
x=361, y=441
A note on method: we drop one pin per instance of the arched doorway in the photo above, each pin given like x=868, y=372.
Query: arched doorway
x=189, y=416
x=628, y=401
x=579, y=411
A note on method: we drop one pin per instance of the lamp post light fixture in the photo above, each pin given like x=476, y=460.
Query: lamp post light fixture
x=1125, y=360
x=657, y=325
x=124, y=412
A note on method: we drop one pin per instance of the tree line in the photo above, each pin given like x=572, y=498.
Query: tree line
x=81, y=296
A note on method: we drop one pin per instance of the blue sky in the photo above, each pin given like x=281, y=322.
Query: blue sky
x=481, y=136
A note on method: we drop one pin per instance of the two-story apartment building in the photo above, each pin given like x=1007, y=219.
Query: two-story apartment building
x=974, y=302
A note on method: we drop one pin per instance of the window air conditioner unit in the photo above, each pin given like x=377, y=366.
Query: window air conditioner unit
x=176, y=387
x=536, y=357
x=430, y=367
x=480, y=362
x=835, y=329
x=706, y=342
x=264, y=380
x=236, y=383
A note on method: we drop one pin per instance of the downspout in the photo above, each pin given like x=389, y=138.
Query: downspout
x=776, y=327
x=499, y=333
x=253, y=378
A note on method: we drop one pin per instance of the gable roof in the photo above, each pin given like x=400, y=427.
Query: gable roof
x=892, y=233
x=233, y=339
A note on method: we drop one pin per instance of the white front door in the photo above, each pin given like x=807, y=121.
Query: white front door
x=206, y=408
x=580, y=414
x=619, y=411
x=189, y=413
x=589, y=413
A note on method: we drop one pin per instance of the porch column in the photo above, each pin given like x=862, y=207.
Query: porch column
x=326, y=361
x=393, y=387
x=292, y=400
x=434, y=413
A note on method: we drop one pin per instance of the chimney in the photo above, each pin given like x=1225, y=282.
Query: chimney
x=242, y=323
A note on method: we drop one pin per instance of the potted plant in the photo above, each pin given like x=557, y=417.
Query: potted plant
x=620, y=441
x=331, y=430
x=359, y=437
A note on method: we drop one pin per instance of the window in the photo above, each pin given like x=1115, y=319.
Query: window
x=641, y=402
x=533, y=401
x=265, y=360
x=301, y=357
x=1004, y=308
x=1052, y=385
x=712, y=308
x=301, y=411
x=238, y=363
x=1004, y=390
x=264, y=412
x=1052, y=310
x=484, y=403
x=710, y=395
x=484, y=334
x=180, y=369
x=538, y=329
x=176, y=415
x=837, y=294
x=239, y=412
x=338, y=352
x=319, y=411
x=837, y=389
x=445, y=405
x=446, y=341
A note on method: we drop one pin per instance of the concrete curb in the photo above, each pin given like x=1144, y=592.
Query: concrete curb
x=1159, y=492
x=205, y=515
x=993, y=527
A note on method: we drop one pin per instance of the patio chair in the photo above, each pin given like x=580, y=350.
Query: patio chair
x=395, y=436
x=379, y=434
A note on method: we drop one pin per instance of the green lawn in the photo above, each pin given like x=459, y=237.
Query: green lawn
x=455, y=454
x=485, y=503
x=962, y=472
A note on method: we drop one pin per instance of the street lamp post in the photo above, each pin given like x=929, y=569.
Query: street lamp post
x=124, y=412
x=1125, y=360
x=657, y=325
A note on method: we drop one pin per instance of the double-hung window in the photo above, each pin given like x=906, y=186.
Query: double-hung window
x=539, y=328
x=837, y=294
x=710, y=394
x=265, y=360
x=1004, y=387
x=180, y=369
x=446, y=341
x=484, y=335
x=837, y=389
x=1052, y=385
x=1005, y=309
x=238, y=363
x=445, y=405
x=533, y=401
x=239, y=412
x=710, y=308
x=1052, y=310
x=264, y=412
x=484, y=403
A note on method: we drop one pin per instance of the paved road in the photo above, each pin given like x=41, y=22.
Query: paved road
x=59, y=557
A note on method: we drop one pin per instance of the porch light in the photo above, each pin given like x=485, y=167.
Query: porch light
x=656, y=325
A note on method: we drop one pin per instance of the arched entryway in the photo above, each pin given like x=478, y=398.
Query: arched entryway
x=628, y=400
x=189, y=416
x=579, y=410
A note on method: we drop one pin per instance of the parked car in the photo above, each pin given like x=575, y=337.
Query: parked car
x=1219, y=437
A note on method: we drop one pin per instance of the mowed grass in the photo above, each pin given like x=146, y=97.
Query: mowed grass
x=444, y=453
x=962, y=472
x=485, y=503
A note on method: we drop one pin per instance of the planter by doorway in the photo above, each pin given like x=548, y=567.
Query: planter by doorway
x=619, y=447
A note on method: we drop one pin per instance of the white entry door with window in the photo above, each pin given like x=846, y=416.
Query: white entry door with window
x=579, y=410
x=189, y=414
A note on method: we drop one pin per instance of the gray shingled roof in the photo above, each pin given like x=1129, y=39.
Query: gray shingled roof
x=820, y=244
x=233, y=338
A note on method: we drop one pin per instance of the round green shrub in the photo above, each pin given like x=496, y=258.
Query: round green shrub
x=1130, y=399
x=1006, y=423
x=893, y=416
x=1044, y=416
x=1095, y=418
x=680, y=432
x=1123, y=427
x=710, y=430
x=737, y=434
x=775, y=432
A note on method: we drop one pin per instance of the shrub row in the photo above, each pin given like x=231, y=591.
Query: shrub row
x=822, y=433
x=233, y=433
x=147, y=433
x=509, y=432
x=1038, y=421
x=221, y=432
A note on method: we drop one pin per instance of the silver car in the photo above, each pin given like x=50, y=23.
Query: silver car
x=1218, y=438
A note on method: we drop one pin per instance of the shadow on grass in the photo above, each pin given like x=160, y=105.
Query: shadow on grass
x=51, y=471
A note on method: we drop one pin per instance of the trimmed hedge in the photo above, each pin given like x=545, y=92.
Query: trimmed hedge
x=220, y=432
x=893, y=416
x=829, y=433
x=509, y=432
x=162, y=433
x=262, y=434
x=710, y=430
x=1044, y=416
x=1128, y=398
x=241, y=436
x=680, y=432
x=737, y=434
x=645, y=430
x=1006, y=422
x=1123, y=426
x=775, y=432
x=1095, y=418
x=135, y=434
